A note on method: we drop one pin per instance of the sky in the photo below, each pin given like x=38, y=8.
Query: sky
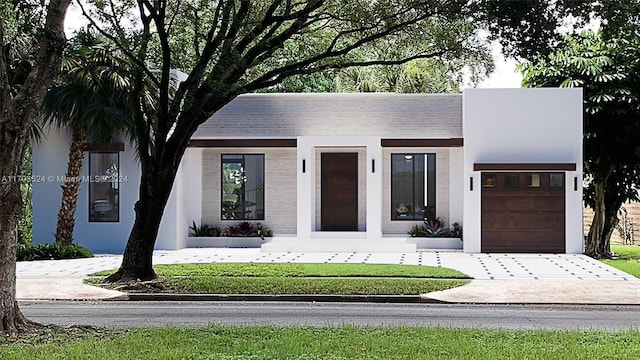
x=505, y=75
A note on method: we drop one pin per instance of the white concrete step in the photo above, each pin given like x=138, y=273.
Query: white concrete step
x=338, y=245
x=338, y=235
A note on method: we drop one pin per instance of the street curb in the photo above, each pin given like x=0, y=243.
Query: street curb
x=284, y=297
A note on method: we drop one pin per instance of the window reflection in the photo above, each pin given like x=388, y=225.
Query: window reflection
x=413, y=186
x=242, y=187
x=104, y=187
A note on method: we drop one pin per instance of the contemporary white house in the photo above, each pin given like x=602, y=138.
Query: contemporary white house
x=351, y=172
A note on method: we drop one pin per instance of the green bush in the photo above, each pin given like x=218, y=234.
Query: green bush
x=204, y=230
x=28, y=252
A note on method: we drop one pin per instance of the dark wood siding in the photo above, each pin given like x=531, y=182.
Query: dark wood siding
x=522, y=218
x=339, y=191
x=243, y=143
x=451, y=142
x=522, y=167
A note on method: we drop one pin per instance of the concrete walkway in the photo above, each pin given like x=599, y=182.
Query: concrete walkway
x=498, y=278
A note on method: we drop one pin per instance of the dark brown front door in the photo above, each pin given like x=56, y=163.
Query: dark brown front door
x=523, y=212
x=339, y=191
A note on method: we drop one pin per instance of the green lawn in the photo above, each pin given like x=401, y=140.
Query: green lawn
x=315, y=286
x=304, y=270
x=347, y=342
x=628, y=261
x=286, y=278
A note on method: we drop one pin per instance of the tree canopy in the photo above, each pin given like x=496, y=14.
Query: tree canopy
x=609, y=72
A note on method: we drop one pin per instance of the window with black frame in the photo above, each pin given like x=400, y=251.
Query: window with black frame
x=242, y=187
x=104, y=187
x=413, y=186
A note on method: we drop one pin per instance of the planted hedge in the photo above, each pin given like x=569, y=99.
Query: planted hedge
x=29, y=252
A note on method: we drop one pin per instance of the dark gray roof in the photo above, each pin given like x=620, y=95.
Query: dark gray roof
x=326, y=114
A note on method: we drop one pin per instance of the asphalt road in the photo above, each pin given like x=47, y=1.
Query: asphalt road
x=166, y=313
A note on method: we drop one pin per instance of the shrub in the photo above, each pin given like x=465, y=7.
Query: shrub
x=247, y=229
x=243, y=229
x=436, y=228
x=418, y=231
x=457, y=231
x=28, y=252
x=204, y=230
x=263, y=231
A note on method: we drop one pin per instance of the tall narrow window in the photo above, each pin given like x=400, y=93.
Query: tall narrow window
x=413, y=186
x=104, y=187
x=242, y=187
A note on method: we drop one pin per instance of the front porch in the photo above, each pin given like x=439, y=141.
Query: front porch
x=328, y=242
x=335, y=241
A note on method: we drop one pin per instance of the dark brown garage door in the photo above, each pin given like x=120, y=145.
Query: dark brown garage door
x=523, y=212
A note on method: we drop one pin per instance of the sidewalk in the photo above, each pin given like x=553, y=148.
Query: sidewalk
x=498, y=278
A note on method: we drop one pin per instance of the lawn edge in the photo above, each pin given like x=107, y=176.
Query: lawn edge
x=284, y=297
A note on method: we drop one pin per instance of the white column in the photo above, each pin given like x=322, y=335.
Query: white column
x=306, y=187
x=457, y=184
x=374, y=188
x=472, y=213
x=574, y=230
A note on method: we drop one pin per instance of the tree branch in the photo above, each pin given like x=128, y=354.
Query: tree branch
x=264, y=82
x=133, y=57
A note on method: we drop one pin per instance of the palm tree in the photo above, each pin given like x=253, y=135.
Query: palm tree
x=92, y=100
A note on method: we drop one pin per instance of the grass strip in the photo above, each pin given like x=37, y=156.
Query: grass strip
x=347, y=342
x=307, y=286
x=301, y=279
x=628, y=261
x=304, y=270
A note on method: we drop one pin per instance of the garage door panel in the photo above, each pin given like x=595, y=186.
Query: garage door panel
x=524, y=220
x=524, y=202
x=506, y=241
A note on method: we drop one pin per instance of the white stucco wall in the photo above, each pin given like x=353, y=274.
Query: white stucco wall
x=185, y=203
x=522, y=126
x=49, y=165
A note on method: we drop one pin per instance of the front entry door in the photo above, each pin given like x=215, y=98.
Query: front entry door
x=339, y=191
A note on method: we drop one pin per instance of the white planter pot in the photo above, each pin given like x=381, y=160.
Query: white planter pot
x=435, y=242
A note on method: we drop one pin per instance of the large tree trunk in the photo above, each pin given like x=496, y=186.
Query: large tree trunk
x=11, y=320
x=155, y=188
x=605, y=220
x=12, y=146
x=71, y=188
x=593, y=246
x=16, y=116
x=13, y=137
